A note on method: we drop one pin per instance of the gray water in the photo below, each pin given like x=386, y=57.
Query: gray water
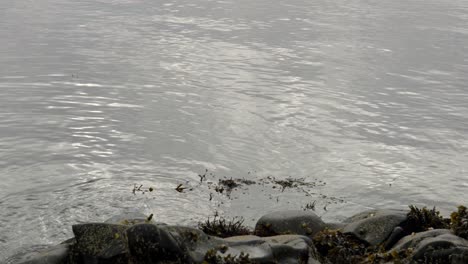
x=370, y=97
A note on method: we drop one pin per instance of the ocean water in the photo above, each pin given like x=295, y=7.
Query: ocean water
x=366, y=100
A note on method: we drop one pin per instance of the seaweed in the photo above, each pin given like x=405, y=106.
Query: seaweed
x=211, y=257
x=422, y=219
x=229, y=184
x=310, y=206
x=459, y=222
x=222, y=227
x=396, y=257
x=339, y=248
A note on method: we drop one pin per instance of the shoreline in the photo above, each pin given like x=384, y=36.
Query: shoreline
x=416, y=235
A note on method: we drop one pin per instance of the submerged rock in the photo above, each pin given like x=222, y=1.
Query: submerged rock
x=289, y=222
x=53, y=255
x=374, y=226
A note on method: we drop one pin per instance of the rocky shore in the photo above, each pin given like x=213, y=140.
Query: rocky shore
x=416, y=235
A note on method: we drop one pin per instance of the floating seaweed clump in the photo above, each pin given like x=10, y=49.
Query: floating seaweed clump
x=459, y=222
x=423, y=219
x=339, y=248
x=222, y=227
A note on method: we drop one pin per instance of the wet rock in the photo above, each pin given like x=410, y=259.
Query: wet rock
x=374, y=226
x=149, y=243
x=100, y=243
x=276, y=249
x=292, y=249
x=289, y=222
x=257, y=249
x=52, y=255
x=288, y=249
x=435, y=246
x=397, y=233
x=413, y=240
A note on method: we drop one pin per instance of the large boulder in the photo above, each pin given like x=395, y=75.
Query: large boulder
x=434, y=246
x=374, y=226
x=289, y=222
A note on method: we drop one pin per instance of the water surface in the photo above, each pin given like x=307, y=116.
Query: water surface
x=368, y=96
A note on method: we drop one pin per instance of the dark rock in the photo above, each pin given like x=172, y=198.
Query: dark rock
x=374, y=226
x=435, y=246
x=397, y=233
x=258, y=250
x=412, y=241
x=288, y=249
x=276, y=249
x=194, y=241
x=149, y=243
x=100, y=243
x=292, y=249
x=289, y=222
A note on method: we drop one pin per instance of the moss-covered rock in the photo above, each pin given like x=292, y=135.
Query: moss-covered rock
x=99, y=242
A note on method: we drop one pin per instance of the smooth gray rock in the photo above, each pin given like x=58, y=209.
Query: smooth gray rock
x=289, y=222
x=53, y=255
x=292, y=248
x=287, y=249
x=374, y=226
x=412, y=241
x=435, y=246
x=440, y=248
